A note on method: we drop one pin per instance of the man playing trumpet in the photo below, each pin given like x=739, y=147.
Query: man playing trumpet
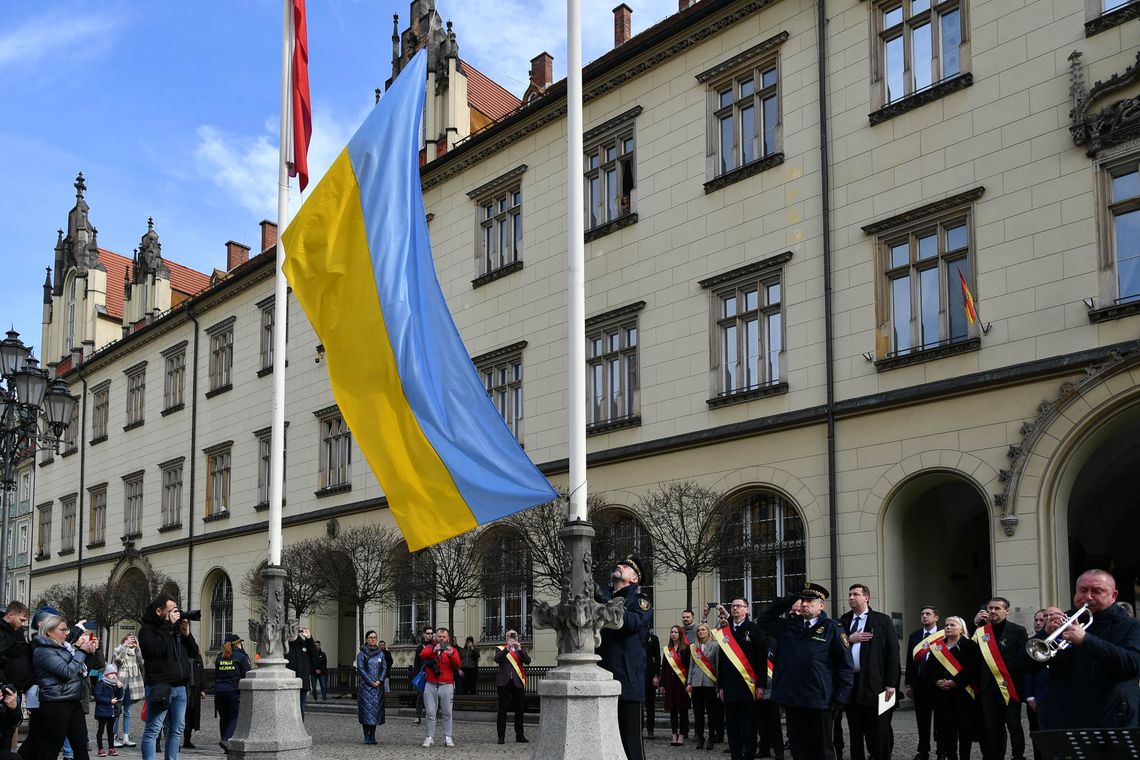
x=1093, y=682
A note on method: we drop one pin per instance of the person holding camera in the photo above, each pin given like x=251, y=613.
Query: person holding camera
x=61, y=673
x=441, y=661
x=510, y=683
x=299, y=660
x=128, y=659
x=168, y=650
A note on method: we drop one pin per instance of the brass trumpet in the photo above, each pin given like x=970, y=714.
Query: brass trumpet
x=1047, y=648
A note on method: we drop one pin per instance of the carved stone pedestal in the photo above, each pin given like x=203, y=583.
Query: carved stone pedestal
x=269, y=720
x=579, y=699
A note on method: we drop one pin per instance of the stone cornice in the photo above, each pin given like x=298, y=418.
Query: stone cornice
x=921, y=98
x=329, y=411
x=1117, y=123
x=618, y=313
x=498, y=183
x=922, y=213
x=218, y=448
x=221, y=326
x=176, y=348
x=768, y=45
x=609, y=125
x=747, y=270
x=1113, y=18
x=499, y=353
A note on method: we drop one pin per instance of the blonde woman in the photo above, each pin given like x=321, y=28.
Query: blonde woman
x=704, y=654
x=129, y=660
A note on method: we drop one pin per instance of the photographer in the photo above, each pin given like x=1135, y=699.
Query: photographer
x=15, y=667
x=441, y=661
x=167, y=652
x=299, y=660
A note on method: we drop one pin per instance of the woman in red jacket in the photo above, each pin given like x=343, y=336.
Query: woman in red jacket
x=441, y=662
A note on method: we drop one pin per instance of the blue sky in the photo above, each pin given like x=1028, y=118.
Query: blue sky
x=173, y=114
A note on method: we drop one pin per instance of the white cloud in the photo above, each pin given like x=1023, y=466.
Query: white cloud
x=245, y=167
x=542, y=25
x=53, y=36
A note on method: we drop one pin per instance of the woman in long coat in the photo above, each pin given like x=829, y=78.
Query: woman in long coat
x=957, y=712
x=676, y=658
x=371, y=670
x=129, y=660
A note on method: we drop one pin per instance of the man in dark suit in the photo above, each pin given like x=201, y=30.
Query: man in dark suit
x=510, y=683
x=652, y=670
x=917, y=687
x=1001, y=699
x=741, y=673
x=875, y=655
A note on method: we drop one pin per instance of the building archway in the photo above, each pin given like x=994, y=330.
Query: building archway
x=766, y=552
x=218, y=613
x=936, y=547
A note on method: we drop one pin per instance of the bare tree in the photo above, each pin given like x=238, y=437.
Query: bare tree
x=133, y=593
x=456, y=572
x=539, y=527
x=101, y=607
x=307, y=586
x=360, y=567
x=686, y=524
x=63, y=597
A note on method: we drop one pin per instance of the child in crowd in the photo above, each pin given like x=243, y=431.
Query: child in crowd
x=108, y=696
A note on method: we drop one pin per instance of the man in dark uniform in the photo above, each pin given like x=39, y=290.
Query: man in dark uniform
x=652, y=670
x=741, y=674
x=813, y=671
x=623, y=652
x=999, y=714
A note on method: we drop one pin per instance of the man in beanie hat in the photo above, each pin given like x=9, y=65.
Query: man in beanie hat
x=623, y=651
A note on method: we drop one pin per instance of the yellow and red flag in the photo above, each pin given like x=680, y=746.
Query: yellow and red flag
x=968, y=299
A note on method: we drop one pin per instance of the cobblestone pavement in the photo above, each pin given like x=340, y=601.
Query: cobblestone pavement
x=336, y=736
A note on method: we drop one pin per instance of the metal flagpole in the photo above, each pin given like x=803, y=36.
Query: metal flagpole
x=269, y=717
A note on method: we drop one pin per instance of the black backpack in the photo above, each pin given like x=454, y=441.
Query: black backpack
x=17, y=665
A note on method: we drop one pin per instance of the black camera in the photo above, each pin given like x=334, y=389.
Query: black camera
x=193, y=616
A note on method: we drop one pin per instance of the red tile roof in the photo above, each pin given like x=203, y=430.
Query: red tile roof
x=183, y=280
x=487, y=96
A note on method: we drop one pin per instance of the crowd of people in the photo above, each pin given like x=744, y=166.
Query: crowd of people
x=835, y=682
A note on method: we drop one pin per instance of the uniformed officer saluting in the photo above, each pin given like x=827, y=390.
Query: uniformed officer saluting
x=813, y=672
x=623, y=651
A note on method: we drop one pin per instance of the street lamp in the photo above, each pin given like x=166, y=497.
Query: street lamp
x=26, y=398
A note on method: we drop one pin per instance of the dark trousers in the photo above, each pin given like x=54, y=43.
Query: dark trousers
x=629, y=726
x=55, y=722
x=740, y=725
x=771, y=732
x=679, y=722
x=707, y=706
x=869, y=729
x=511, y=697
x=998, y=719
x=923, y=713
x=810, y=733
x=650, y=706
x=226, y=706
x=104, y=725
x=321, y=681
x=470, y=680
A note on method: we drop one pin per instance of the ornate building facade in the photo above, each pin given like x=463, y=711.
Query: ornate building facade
x=789, y=206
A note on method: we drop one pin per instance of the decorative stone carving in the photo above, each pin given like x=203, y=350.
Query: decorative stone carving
x=275, y=629
x=578, y=623
x=1116, y=123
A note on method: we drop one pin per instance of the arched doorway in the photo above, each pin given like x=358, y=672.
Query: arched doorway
x=936, y=548
x=1096, y=504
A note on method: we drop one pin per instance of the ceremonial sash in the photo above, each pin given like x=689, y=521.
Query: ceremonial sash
x=516, y=663
x=703, y=662
x=986, y=640
x=731, y=649
x=771, y=666
x=674, y=658
x=923, y=646
x=944, y=655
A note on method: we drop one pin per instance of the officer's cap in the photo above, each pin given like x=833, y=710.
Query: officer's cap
x=232, y=638
x=634, y=564
x=814, y=591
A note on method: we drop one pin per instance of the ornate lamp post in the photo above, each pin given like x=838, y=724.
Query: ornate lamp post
x=33, y=415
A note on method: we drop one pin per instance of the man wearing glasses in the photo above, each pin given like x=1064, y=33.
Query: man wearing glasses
x=418, y=665
x=741, y=678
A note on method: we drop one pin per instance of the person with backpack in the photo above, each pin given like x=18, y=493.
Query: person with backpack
x=167, y=651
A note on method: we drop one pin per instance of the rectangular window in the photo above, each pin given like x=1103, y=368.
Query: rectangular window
x=503, y=379
x=174, y=383
x=136, y=396
x=97, y=530
x=749, y=336
x=218, y=482
x=919, y=45
x=43, y=531
x=23, y=538
x=70, y=442
x=67, y=524
x=267, y=337
x=26, y=485
x=500, y=229
x=133, y=505
x=610, y=179
x=100, y=411
x=172, y=495
x=336, y=453
x=745, y=116
x=1123, y=221
x=612, y=371
x=264, y=450
x=221, y=356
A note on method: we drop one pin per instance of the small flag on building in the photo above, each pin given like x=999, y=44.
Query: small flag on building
x=359, y=260
x=968, y=299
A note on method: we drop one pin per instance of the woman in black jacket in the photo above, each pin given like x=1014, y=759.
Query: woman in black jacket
x=953, y=668
x=60, y=674
x=230, y=666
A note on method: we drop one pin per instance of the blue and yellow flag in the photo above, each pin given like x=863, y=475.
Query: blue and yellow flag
x=360, y=264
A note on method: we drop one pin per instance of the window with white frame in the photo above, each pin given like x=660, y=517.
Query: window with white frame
x=415, y=600
x=221, y=355
x=508, y=592
x=174, y=378
x=500, y=229
x=610, y=161
x=748, y=328
x=70, y=442
x=136, y=395
x=43, y=531
x=171, y=493
x=502, y=373
x=336, y=453
x=1122, y=227
x=100, y=411
x=765, y=557
x=919, y=44
x=133, y=505
x=264, y=456
x=218, y=479
x=23, y=538
x=612, y=368
x=97, y=524
x=266, y=333
x=221, y=610
x=26, y=485
x=67, y=515
x=746, y=115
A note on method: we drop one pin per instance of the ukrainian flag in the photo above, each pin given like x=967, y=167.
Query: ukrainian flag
x=359, y=261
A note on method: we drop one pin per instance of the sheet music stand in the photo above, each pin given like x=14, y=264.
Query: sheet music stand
x=1088, y=743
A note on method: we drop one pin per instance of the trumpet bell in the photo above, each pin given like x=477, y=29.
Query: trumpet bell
x=1039, y=650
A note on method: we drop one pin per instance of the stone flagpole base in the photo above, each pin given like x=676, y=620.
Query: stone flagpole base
x=269, y=718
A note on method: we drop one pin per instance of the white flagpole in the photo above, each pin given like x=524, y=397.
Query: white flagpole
x=277, y=432
x=576, y=253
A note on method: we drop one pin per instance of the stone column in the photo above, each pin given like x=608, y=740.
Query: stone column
x=269, y=720
x=579, y=699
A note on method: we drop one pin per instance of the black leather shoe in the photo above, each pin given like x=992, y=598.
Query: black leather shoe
x=522, y=740
x=700, y=742
x=502, y=740
x=922, y=756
